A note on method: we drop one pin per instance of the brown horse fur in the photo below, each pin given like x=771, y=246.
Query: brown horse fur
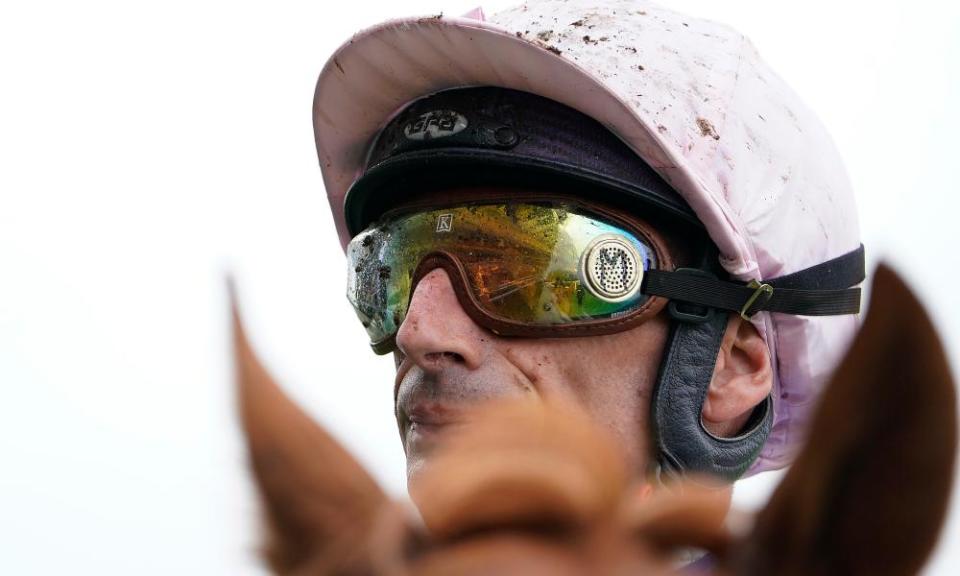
x=525, y=489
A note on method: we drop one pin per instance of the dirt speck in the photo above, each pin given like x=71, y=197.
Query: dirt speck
x=761, y=117
x=519, y=34
x=338, y=65
x=661, y=128
x=588, y=40
x=545, y=35
x=604, y=39
x=707, y=129
x=578, y=23
x=553, y=49
x=685, y=24
x=639, y=67
x=629, y=49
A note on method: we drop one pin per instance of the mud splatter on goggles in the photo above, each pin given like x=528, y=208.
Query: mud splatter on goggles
x=519, y=269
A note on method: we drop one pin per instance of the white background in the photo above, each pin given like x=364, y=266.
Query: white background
x=146, y=149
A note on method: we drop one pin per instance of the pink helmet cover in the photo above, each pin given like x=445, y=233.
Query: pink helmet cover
x=690, y=96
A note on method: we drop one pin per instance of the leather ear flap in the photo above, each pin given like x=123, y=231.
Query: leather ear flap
x=320, y=504
x=683, y=444
x=869, y=493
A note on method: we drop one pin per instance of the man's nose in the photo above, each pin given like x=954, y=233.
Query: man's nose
x=436, y=330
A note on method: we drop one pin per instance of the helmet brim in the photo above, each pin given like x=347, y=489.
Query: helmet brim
x=383, y=69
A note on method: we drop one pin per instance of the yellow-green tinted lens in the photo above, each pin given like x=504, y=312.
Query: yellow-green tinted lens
x=528, y=263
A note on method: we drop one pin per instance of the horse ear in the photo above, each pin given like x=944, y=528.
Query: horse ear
x=869, y=493
x=320, y=505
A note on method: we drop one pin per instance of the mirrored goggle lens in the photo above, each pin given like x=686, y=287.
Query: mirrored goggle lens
x=531, y=264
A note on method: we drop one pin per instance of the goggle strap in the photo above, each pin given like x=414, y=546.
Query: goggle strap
x=821, y=290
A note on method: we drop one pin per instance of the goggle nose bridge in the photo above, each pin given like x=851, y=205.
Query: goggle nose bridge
x=459, y=281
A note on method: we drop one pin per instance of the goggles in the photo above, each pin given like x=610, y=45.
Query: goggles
x=535, y=269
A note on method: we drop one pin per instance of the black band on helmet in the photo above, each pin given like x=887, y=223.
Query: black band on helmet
x=489, y=136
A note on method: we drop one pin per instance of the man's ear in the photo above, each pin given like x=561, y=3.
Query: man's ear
x=320, y=505
x=741, y=380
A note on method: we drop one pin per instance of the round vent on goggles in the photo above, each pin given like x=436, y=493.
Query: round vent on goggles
x=526, y=268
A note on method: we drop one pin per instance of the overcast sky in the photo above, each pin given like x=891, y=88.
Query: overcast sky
x=146, y=149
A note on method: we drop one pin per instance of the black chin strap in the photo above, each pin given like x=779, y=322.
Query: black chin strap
x=683, y=445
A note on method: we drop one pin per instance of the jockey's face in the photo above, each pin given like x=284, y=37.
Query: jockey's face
x=446, y=363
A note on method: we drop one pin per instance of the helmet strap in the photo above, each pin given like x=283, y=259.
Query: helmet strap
x=683, y=444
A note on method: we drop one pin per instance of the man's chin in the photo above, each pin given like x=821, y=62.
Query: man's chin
x=421, y=440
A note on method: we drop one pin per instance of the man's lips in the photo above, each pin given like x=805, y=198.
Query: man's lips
x=430, y=403
x=433, y=413
x=425, y=422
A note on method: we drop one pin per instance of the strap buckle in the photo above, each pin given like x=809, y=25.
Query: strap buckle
x=765, y=289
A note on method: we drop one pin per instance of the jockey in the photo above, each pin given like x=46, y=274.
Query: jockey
x=602, y=201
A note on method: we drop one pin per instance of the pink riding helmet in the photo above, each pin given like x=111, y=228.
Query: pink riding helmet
x=691, y=97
